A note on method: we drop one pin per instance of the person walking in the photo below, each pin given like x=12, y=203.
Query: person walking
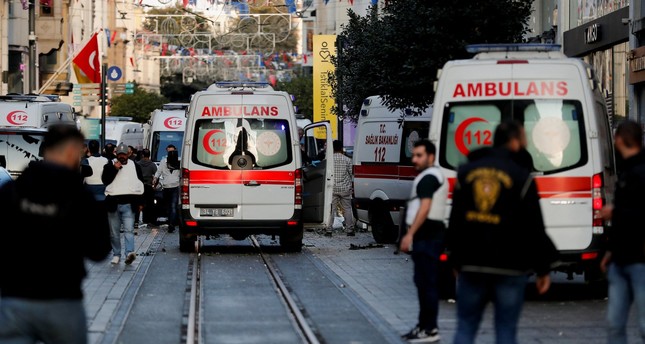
x=49, y=206
x=496, y=237
x=624, y=261
x=123, y=181
x=148, y=170
x=168, y=174
x=342, y=193
x=425, y=214
x=96, y=162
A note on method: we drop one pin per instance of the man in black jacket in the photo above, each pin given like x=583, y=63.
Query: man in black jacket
x=51, y=210
x=496, y=237
x=624, y=261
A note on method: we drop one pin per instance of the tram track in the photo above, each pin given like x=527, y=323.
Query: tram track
x=191, y=329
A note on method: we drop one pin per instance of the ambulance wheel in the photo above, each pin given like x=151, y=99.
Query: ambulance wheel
x=186, y=242
x=292, y=242
x=383, y=229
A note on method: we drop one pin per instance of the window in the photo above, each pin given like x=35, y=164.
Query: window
x=217, y=141
x=554, y=130
x=161, y=140
x=413, y=131
x=47, y=8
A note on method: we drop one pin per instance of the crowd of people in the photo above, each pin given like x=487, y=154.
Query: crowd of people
x=494, y=195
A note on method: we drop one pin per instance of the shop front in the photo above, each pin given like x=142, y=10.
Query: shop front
x=603, y=43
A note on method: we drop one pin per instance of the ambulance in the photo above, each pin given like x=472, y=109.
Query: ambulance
x=167, y=127
x=382, y=159
x=23, y=122
x=123, y=130
x=242, y=169
x=559, y=102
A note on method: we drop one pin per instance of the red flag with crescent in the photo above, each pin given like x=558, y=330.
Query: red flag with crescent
x=88, y=62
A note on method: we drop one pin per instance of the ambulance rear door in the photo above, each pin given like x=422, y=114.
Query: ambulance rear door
x=215, y=189
x=264, y=154
x=318, y=177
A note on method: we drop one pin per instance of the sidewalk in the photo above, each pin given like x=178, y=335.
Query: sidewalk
x=106, y=284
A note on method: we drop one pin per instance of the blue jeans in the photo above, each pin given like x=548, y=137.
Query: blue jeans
x=474, y=291
x=626, y=287
x=26, y=321
x=171, y=197
x=425, y=255
x=122, y=215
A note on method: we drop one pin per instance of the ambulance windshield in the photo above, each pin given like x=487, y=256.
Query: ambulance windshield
x=219, y=141
x=554, y=131
x=161, y=140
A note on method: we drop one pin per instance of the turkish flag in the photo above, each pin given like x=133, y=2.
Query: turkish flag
x=88, y=61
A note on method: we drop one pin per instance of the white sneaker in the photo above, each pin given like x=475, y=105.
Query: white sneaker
x=115, y=260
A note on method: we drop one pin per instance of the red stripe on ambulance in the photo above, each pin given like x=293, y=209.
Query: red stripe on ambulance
x=242, y=176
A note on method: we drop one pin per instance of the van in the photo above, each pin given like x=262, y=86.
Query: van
x=558, y=101
x=23, y=122
x=167, y=126
x=122, y=130
x=382, y=159
x=242, y=170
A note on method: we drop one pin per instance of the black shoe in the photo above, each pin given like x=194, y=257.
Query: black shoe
x=418, y=335
x=351, y=233
x=328, y=233
x=171, y=229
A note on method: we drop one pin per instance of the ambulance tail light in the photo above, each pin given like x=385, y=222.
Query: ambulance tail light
x=298, y=193
x=185, y=186
x=598, y=201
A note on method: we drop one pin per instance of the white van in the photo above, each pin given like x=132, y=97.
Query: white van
x=242, y=170
x=569, y=137
x=118, y=130
x=167, y=126
x=23, y=122
x=382, y=158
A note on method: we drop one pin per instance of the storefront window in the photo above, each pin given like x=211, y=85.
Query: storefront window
x=584, y=11
x=611, y=69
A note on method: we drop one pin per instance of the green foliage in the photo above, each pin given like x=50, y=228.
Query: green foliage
x=137, y=105
x=397, y=54
x=302, y=89
x=173, y=88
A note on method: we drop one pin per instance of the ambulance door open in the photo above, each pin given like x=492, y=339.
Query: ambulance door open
x=318, y=175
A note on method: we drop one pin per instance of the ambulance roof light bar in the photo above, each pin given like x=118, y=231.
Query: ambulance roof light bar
x=241, y=84
x=24, y=97
x=512, y=47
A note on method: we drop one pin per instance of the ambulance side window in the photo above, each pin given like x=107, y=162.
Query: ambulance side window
x=412, y=132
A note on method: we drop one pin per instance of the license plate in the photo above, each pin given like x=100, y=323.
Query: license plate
x=217, y=212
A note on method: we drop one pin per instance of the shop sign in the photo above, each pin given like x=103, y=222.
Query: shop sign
x=592, y=33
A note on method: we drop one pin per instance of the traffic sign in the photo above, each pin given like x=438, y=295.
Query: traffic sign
x=87, y=97
x=114, y=73
x=90, y=85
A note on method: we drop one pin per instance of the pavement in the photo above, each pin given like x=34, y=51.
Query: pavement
x=377, y=277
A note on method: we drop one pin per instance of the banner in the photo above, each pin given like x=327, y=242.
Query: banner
x=87, y=63
x=324, y=49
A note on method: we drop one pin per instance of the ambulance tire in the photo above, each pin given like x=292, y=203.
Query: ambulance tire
x=383, y=229
x=186, y=242
x=292, y=242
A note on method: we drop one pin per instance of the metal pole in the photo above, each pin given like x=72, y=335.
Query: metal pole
x=33, y=62
x=339, y=102
x=103, y=101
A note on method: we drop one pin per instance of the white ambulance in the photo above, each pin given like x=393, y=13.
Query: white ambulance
x=123, y=130
x=568, y=130
x=382, y=158
x=23, y=122
x=242, y=170
x=167, y=126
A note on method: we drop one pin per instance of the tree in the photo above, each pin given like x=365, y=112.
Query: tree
x=417, y=37
x=137, y=105
x=357, y=55
x=302, y=89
